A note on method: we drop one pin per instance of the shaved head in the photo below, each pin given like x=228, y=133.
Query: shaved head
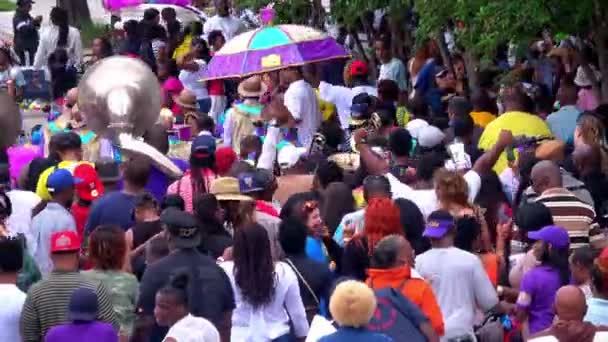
x=567, y=94
x=392, y=251
x=570, y=304
x=545, y=175
x=587, y=158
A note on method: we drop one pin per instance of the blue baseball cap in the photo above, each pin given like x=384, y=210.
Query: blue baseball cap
x=83, y=305
x=203, y=146
x=60, y=180
x=556, y=236
x=438, y=224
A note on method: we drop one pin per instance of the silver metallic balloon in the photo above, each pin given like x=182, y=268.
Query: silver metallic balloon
x=10, y=120
x=119, y=95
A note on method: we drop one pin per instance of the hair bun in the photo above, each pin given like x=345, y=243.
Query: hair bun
x=180, y=280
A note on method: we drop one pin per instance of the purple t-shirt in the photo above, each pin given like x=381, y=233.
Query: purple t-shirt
x=159, y=182
x=79, y=332
x=537, y=295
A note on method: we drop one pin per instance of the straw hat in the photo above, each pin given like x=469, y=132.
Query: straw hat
x=186, y=99
x=252, y=87
x=227, y=189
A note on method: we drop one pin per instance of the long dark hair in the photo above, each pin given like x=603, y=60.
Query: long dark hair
x=558, y=259
x=253, y=265
x=198, y=164
x=412, y=222
x=205, y=208
x=338, y=201
x=59, y=18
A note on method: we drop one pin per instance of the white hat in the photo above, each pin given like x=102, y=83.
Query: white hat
x=582, y=79
x=415, y=126
x=289, y=155
x=430, y=136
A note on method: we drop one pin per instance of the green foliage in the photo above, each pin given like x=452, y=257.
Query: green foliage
x=286, y=11
x=482, y=25
x=7, y=5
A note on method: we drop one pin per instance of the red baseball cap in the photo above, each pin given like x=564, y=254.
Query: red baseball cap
x=358, y=68
x=91, y=187
x=65, y=241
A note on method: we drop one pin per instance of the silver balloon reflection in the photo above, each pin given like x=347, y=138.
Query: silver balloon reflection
x=10, y=120
x=120, y=98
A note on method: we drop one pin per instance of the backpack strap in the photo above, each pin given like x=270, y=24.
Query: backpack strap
x=312, y=293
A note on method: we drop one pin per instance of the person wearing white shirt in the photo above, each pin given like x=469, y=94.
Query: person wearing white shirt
x=223, y=21
x=427, y=200
x=266, y=293
x=391, y=68
x=301, y=101
x=20, y=221
x=59, y=35
x=192, y=71
x=171, y=309
x=12, y=299
x=342, y=97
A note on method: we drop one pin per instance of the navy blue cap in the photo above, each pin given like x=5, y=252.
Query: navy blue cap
x=60, y=180
x=83, y=305
x=258, y=180
x=203, y=146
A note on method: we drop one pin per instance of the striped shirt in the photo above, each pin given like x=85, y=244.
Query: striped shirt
x=46, y=304
x=574, y=215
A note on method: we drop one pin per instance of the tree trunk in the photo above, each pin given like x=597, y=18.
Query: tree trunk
x=358, y=44
x=600, y=38
x=445, y=53
x=318, y=14
x=471, y=63
x=78, y=12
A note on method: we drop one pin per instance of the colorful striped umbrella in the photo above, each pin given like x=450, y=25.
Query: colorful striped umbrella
x=114, y=5
x=272, y=48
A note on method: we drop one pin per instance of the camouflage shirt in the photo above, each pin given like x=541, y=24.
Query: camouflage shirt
x=123, y=289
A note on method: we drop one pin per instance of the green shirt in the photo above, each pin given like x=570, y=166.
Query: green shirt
x=123, y=289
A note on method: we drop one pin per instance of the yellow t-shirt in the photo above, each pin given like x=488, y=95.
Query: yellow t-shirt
x=41, y=188
x=482, y=119
x=183, y=48
x=519, y=123
x=327, y=108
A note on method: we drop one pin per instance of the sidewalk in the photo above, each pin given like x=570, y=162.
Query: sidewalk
x=43, y=8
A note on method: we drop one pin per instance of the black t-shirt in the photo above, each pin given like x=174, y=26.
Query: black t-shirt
x=210, y=294
x=143, y=231
x=316, y=274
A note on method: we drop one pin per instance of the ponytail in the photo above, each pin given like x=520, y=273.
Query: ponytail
x=59, y=18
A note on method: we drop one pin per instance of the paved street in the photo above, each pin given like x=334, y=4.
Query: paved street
x=43, y=8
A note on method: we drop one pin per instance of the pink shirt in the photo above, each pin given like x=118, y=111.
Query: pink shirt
x=184, y=188
x=587, y=100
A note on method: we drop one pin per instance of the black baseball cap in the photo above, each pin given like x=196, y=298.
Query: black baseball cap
x=359, y=109
x=24, y=2
x=83, y=305
x=182, y=227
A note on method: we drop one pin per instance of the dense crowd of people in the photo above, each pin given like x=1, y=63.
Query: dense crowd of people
x=409, y=207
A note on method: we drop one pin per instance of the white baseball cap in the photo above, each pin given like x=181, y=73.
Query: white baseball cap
x=289, y=155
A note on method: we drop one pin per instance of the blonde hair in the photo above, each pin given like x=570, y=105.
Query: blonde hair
x=593, y=132
x=451, y=187
x=352, y=304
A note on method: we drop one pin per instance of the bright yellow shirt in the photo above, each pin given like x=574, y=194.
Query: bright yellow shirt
x=327, y=108
x=482, y=119
x=519, y=123
x=41, y=188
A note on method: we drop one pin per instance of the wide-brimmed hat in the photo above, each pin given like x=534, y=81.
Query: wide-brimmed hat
x=252, y=87
x=186, y=99
x=228, y=189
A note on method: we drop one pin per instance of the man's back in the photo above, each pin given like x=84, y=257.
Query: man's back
x=47, y=303
x=112, y=208
x=53, y=219
x=460, y=285
x=211, y=293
